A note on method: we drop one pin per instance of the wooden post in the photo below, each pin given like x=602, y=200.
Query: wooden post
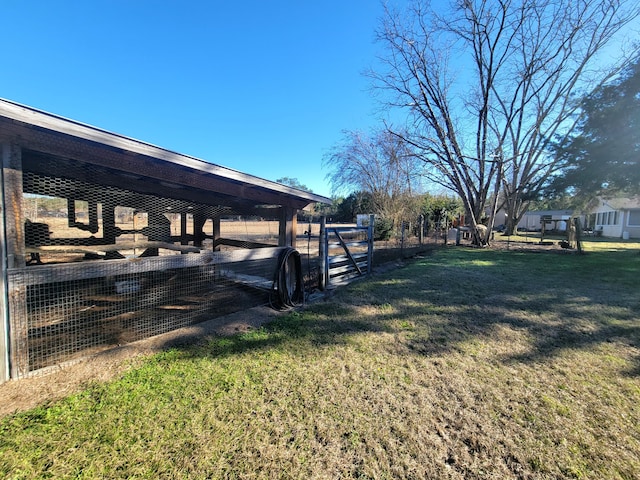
x=5, y=150
x=109, y=222
x=13, y=200
x=216, y=232
x=322, y=252
x=288, y=227
x=16, y=294
x=199, y=219
x=184, y=239
x=372, y=221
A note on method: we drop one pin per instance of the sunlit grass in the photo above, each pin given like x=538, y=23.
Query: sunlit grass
x=610, y=245
x=468, y=363
x=588, y=243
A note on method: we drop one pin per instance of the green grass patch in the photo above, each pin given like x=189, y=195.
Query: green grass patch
x=467, y=363
x=589, y=244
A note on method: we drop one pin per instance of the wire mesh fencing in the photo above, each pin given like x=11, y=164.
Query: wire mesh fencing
x=106, y=264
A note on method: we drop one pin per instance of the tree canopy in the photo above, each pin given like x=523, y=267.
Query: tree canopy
x=294, y=183
x=603, y=157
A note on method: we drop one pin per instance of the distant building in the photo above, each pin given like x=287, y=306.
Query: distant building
x=554, y=220
x=617, y=217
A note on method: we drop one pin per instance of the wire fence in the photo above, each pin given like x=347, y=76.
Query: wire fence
x=106, y=265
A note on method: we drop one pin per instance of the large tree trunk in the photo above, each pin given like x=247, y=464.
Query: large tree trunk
x=515, y=209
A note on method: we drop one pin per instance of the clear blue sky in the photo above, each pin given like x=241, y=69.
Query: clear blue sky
x=264, y=87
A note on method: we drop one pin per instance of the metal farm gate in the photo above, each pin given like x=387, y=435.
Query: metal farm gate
x=345, y=252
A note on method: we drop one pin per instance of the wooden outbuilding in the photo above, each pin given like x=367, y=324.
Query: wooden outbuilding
x=106, y=239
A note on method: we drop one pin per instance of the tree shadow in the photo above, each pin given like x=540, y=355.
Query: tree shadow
x=317, y=325
x=456, y=302
x=560, y=312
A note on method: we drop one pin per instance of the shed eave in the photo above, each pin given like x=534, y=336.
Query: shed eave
x=38, y=118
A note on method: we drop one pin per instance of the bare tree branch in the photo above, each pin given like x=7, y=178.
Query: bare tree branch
x=381, y=164
x=496, y=76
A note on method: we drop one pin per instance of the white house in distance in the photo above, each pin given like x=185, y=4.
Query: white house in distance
x=554, y=219
x=532, y=221
x=618, y=217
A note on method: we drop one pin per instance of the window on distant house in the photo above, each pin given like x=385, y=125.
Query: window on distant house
x=634, y=218
x=607, y=218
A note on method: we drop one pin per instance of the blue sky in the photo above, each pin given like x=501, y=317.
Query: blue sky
x=264, y=87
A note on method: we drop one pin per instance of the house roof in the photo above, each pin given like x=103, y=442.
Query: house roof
x=622, y=203
x=134, y=162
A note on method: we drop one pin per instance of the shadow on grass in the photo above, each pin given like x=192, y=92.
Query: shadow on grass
x=560, y=302
x=316, y=325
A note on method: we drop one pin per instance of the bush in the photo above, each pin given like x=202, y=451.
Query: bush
x=382, y=229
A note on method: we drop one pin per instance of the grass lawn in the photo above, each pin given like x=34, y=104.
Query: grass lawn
x=589, y=244
x=463, y=364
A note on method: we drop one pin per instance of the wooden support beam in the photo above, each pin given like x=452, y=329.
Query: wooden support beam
x=112, y=247
x=199, y=219
x=184, y=240
x=216, y=232
x=288, y=227
x=15, y=254
x=48, y=274
x=5, y=151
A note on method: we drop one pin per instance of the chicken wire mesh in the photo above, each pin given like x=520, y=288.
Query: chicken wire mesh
x=106, y=265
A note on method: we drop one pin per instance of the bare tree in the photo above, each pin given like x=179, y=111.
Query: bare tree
x=380, y=164
x=488, y=84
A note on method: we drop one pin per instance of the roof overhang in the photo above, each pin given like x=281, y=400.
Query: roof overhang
x=148, y=166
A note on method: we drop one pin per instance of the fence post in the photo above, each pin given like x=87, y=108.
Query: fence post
x=421, y=230
x=5, y=324
x=16, y=331
x=372, y=220
x=322, y=252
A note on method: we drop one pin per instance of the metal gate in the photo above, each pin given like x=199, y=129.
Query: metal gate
x=345, y=252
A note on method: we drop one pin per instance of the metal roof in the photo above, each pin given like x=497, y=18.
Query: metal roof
x=43, y=133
